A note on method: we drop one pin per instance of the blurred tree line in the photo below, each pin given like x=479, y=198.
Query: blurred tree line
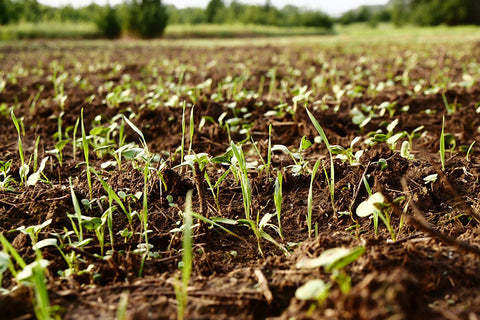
x=148, y=18
x=418, y=12
x=218, y=12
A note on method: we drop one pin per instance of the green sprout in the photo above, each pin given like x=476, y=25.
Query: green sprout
x=331, y=179
x=442, y=145
x=277, y=198
x=181, y=288
x=310, y=199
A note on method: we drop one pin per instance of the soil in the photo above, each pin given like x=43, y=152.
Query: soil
x=431, y=269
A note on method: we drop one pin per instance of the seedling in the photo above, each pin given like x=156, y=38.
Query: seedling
x=431, y=179
x=31, y=275
x=442, y=144
x=377, y=207
x=331, y=179
x=470, y=148
x=6, y=180
x=24, y=169
x=347, y=154
x=241, y=168
x=277, y=198
x=86, y=155
x=299, y=163
x=334, y=261
x=310, y=199
x=181, y=288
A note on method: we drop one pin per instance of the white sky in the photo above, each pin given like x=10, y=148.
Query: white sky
x=335, y=7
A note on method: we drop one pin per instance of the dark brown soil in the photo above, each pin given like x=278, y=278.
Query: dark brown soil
x=431, y=269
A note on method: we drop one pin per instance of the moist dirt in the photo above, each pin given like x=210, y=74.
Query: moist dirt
x=430, y=269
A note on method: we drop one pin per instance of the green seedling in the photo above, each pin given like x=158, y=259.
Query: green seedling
x=35, y=154
x=431, y=179
x=377, y=207
x=241, y=168
x=470, y=148
x=52, y=242
x=405, y=151
x=121, y=313
x=192, y=130
x=6, y=181
x=450, y=107
x=347, y=154
x=31, y=275
x=35, y=177
x=331, y=179
x=74, y=140
x=277, y=198
x=98, y=226
x=269, y=152
x=332, y=260
x=442, y=144
x=86, y=155
x=310, y=198
x=33, y=231
x=78, y=213
x=181, y=288
x=182, y=146
x=144, y=217
x=24, y=169
x=299, y=163
x=258, y=228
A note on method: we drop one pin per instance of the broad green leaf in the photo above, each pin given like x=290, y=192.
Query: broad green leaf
x=224, y=158
x=27, y=272
x=393, y=139
x=331, y=259
x=4, y=261
x=367, y=207
x=316, y=290
x=50, y=242
x=305, y=143
x=92, y=224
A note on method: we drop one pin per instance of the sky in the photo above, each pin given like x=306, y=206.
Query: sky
x=335, y=7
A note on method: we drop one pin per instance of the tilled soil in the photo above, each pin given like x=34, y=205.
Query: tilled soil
x=428, y=268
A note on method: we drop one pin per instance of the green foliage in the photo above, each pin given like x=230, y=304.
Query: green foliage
x=435, y=12
x=147, y=18
x=213, y=10
x=4, y=12
x=109, y=23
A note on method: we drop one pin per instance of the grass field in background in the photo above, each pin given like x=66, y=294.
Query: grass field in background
x=61, y=30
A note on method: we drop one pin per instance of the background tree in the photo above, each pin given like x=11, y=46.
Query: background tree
x=4, y=12
x=147, y=18
x=109, y=23
x=213, y=10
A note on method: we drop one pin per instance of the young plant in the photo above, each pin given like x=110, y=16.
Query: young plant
x=241, y=168
x=181, y=288
x=331, y=179
x=299, y=163
x=332, y=260
x=442, y=144
x=277, y=198
x=32, y=275
x=347, y=154
x=310, y=199
x=86, y=154
x=258, y=227
x=146, y=169
x=78, y=213
x=24, y=167
x=5, y=179
x=376, y=206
